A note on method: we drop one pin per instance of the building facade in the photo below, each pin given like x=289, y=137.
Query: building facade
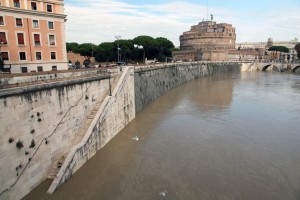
x=206, y=41
x=32, y=35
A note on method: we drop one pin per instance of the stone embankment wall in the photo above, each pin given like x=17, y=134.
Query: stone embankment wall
x=38, y=125
x=151, y=83
x=114, y=114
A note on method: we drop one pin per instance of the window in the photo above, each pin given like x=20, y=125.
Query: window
x=17, y=3
x=51, y=40
x=1, y=20
x=4, y=55
x=37, y=41
x=54, y=68
x=35, y=23
x=50, y=25
x=24, y=69
x=3, y=38
x=38, y=55
x=33, y=6
x=40, y=68
x=49, y=8
x=20, y=37
x=22, y=55
x=19, y=22
x=53, y=55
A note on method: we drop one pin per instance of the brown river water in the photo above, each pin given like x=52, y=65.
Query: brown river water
x=231, y=137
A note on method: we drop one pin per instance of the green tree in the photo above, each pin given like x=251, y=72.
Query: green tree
x=126, y=48
x=87, y=49
x=72, y=46
x=149, y=45
x=297, y=48
x=164, y=47
x=104, y=52
x=280, y=49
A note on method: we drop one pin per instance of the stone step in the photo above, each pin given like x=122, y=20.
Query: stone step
x=56, y=167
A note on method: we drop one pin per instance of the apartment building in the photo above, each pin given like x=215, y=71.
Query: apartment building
x=32, y=35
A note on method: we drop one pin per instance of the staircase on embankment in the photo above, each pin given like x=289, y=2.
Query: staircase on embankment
x=81, y=133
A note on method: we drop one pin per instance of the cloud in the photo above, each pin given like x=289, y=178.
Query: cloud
x=101, y=20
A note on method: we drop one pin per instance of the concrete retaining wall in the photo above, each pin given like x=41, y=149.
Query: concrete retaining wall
x=114, y=114
x=151, y=83
x=54, y=111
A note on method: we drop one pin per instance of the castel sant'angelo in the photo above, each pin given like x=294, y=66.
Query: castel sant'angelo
x=209, y=41
x=206, y=41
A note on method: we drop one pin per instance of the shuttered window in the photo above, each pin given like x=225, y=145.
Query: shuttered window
x=52, y=40
x=35, y=23
x=38, y=56
x=49, y=8
x=22, y=55
x=33, y=6
x=4, y=55
x=53, y=55
x=37, y=40
x=20, y=38
x=3, y=38
x=19, y=22
x=1, y=20
x=16, y=3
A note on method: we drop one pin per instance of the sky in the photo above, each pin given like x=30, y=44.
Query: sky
x=97, y=21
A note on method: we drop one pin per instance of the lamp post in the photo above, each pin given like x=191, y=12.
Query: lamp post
x=118, y=37
x=1, y=61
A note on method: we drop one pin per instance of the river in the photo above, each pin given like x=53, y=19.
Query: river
x=229, y=137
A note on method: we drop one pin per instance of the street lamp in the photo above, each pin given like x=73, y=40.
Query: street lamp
x=2, y=63
x=118, y=37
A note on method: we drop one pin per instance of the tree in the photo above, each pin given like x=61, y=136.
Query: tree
x=72, y=46
x=297, y=48
x=279, y=49
x=158, y=48
x=104, y=52
x=149, y=44
x=165, y=48
x=87, y=49
x=126, y=48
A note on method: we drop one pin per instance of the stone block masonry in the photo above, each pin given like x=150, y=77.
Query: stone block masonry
x=114, y=114
x=151, y=83
x=38, y=125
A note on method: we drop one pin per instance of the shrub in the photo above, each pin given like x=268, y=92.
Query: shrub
x=10, y=140
x=19, y=144
x=32, y=144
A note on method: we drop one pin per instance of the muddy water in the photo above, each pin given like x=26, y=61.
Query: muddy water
x=222, y=137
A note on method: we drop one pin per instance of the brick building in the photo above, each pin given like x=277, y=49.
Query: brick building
x=32, y=35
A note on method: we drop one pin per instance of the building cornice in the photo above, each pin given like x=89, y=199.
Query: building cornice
x=59, y=2
x=32, y=12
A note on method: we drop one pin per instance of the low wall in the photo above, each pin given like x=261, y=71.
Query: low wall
x=38, y=125
x=114, y=114
x=152, y=82
x=16, y=80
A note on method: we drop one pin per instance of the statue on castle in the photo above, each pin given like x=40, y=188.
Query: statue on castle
x=211, y=17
